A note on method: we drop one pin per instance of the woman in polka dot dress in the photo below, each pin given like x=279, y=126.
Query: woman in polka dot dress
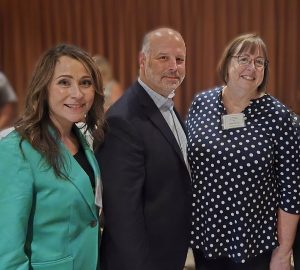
x=244, y=156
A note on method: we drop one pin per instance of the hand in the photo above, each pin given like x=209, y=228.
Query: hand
x=281, y=260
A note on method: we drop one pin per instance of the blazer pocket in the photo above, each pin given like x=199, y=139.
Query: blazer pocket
x=61, y=264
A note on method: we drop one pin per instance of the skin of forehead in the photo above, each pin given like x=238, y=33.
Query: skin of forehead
x=164, y=33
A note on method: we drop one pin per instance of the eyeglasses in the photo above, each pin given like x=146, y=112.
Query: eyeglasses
x=259, y=62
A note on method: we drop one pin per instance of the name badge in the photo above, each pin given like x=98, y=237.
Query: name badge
x=236, y=120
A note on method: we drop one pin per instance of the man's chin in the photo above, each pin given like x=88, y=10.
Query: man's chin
x=172, y=86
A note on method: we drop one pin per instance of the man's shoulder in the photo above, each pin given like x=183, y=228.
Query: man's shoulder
x=128, y=103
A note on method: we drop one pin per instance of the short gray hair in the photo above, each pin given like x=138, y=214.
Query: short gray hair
x=146, y=40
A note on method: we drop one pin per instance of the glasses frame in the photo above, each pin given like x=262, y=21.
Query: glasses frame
x=249, y=63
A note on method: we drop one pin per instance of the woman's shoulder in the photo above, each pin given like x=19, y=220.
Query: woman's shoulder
x=10, y=152
x=12, y=145
x=5, y=132
x=272, y=104
x=9, y=137
x=208, y=95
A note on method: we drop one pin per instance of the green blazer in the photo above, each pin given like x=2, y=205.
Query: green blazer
x=46, y=223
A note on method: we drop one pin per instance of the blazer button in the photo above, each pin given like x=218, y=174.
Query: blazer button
x=93, y=223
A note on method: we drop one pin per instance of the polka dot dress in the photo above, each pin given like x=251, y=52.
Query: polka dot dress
x=241, y=176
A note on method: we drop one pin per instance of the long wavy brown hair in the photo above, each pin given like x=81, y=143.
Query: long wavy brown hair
x=35, y=125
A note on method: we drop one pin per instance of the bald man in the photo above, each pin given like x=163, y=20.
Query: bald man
x=145, y=173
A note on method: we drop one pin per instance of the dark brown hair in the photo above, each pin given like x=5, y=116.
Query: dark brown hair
x=246, y=42
x=35, y=124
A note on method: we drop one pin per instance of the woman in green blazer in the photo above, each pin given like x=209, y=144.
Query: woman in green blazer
x=50, y=191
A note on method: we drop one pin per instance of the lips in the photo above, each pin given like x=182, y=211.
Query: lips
x=171, y=77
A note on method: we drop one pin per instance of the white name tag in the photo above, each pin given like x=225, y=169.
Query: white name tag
x=236, y=120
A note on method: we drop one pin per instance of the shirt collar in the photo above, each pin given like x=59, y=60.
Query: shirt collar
x=163, y=103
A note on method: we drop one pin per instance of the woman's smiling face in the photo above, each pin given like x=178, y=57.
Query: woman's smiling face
x=70, y=93
x=246, y=74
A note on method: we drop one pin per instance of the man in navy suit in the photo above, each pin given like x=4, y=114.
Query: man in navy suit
x=146, y=180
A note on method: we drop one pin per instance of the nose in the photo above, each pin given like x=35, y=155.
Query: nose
x=173, y=64
x=76, y=91
x=252, y=63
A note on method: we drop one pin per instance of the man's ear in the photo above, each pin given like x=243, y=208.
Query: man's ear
x=142, y=59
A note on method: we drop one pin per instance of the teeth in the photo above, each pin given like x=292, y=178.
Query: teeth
x=75, y=106
x=248, y=78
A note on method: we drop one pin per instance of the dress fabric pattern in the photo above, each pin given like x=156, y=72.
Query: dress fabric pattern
x=241, y=176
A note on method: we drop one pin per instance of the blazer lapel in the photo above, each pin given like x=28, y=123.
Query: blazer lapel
x=78, y=177
x=154, y=114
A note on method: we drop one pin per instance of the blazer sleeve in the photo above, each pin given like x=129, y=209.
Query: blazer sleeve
x=15, y=206
x=121, y=161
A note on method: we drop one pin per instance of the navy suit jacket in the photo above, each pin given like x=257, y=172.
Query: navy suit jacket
x=146, y=189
